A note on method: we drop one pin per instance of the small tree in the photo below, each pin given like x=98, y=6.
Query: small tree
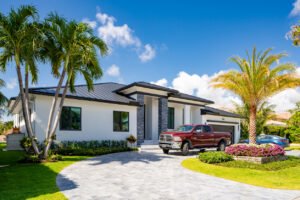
x=293, y=129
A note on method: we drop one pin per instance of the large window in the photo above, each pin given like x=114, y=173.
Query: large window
x=121, y=121
x=70, y=118
x=170, y=118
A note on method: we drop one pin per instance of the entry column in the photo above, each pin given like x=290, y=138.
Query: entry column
x=162, y=114
x=140, y=119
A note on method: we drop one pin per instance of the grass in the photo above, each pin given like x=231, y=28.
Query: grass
x=9, y=157
x=291, y=161
x=288, y=178
x=296, y=148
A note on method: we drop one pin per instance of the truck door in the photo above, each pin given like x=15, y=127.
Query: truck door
x=209, y=136
x=196, y=138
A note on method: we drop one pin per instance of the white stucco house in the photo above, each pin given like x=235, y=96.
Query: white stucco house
x=114, y=111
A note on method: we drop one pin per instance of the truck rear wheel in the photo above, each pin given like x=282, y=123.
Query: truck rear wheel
x=185, y=149
x=221, y=146
x=166, y=151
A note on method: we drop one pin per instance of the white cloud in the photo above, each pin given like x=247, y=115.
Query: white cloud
x=296, y=8
x=148, y=54
x=161, y=82
x=12, y=83
x=121, y=35
x=114, y=70
x=200, y=86
x=112, y=33
x=92, y=24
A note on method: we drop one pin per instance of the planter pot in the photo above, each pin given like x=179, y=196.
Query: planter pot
x=131, y=144
x=13, y=141
x=260, y=160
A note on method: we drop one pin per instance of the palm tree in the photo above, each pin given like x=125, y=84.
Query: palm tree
x=257, y=81
x=16, y=31
x=73, y=46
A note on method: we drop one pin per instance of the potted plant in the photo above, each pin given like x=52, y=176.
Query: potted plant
x=131, y=139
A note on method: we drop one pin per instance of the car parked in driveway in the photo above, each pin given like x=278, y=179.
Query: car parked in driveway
x=188, y=137
x=274, y=139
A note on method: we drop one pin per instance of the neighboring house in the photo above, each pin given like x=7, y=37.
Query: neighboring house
x=114, y=111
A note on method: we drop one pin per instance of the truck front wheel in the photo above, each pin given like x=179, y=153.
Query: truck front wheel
x=166, y=151
x=185, y=149
x=221, y=146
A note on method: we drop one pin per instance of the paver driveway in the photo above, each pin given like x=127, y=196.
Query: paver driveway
x=152, y=175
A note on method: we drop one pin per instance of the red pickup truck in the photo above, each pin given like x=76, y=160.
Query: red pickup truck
x=188, y=137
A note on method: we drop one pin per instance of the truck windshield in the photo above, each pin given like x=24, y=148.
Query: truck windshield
x=184, y=128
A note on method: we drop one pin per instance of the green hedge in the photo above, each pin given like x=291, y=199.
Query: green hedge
x=215, y=157
x=92, y=152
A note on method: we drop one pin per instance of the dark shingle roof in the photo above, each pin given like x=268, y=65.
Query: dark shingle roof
x=147, y=85
x=102, y=92
x=213, y=111
x=111, y=93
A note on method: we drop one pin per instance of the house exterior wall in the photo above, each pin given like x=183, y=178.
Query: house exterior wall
x=96, y=120
x=196, y=117
x=237, y=127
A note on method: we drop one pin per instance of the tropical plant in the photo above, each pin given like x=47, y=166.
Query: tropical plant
x=72, y=46
x=17, y=32
x=293, y=129
x=3, y=100
x=257, y=81
x=296, y=108
x=265, y=112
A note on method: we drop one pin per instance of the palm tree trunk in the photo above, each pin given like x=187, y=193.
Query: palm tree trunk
x=54, y=101
x=25, y=109
x=252, y=125
x=57, y=117
x=26, y=84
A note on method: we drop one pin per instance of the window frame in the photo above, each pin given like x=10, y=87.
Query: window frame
x=121, y=121
x=60, y=128
x=173, y=118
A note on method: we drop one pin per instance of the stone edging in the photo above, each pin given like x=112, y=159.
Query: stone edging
x=260, y=160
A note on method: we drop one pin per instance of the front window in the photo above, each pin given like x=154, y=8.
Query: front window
x=185, y=128
x=121, y=121
x=70, y=118
x=170, y=118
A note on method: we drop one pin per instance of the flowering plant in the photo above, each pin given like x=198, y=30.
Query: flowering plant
x=254, y=150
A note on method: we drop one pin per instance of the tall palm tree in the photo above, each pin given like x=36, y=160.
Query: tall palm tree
x=73, y=46
x=16, y=31
x=257, y=80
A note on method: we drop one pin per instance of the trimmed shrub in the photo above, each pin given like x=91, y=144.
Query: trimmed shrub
x=92, y=152
x=93, y=144
x=254, y=150
x=215, y=157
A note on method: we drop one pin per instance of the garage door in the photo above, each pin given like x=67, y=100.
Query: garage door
x=223, y=128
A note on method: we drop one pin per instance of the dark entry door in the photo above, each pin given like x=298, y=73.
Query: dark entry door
x=224, y=128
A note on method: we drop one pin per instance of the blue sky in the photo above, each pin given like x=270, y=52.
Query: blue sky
x=180, y=44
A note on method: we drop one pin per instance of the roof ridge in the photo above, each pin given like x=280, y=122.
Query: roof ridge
x=80, y=85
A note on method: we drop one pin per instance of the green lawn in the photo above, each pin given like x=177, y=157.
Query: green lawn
x=288, y=178
x=30, y=181
x=296, y=148
x=9, y=157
